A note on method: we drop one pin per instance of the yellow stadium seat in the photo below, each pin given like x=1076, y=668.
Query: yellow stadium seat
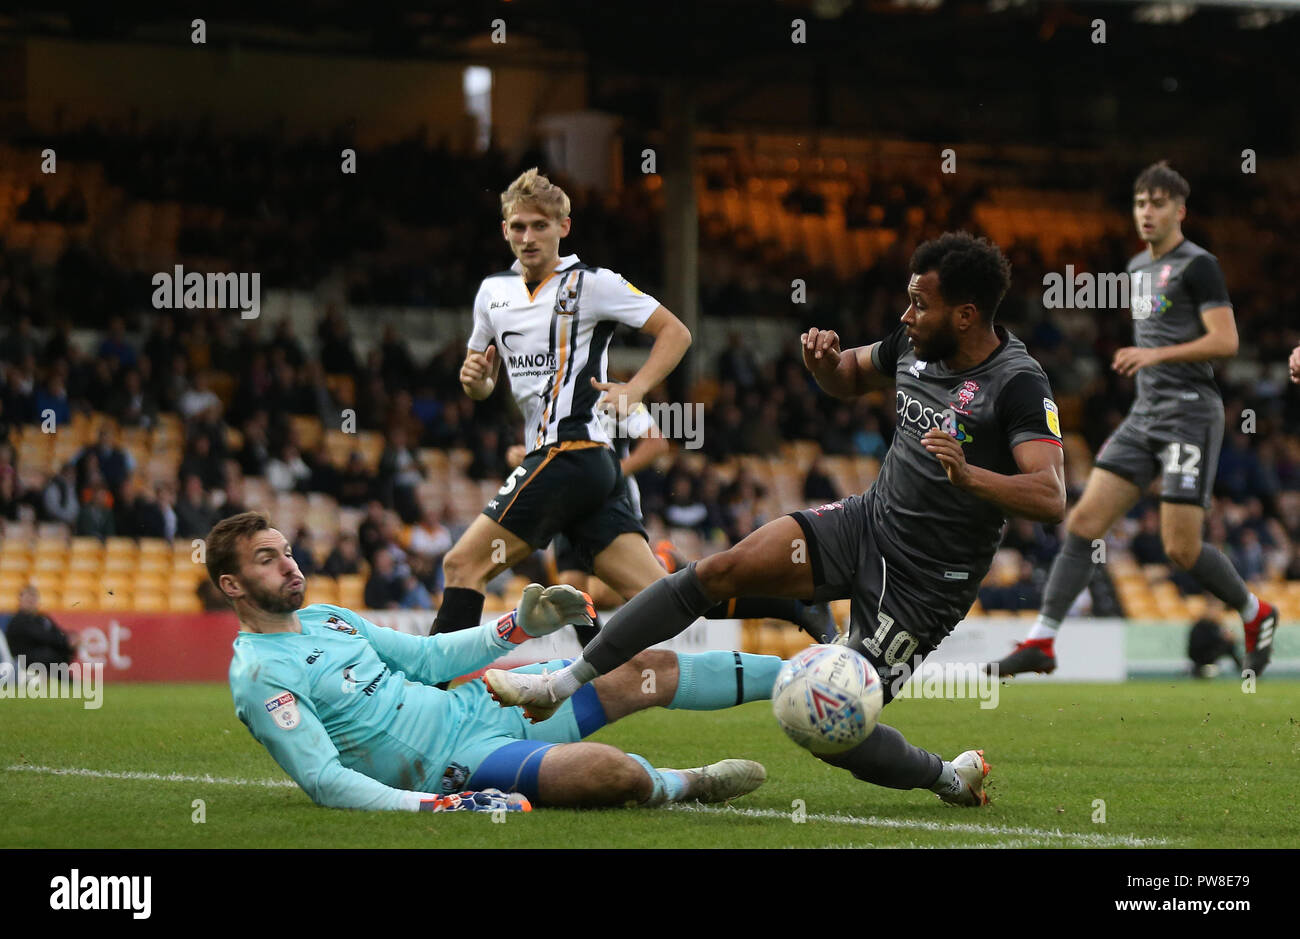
x=352, y=591
x=18, y=563
x=119, y=545
x=115, y=563
x=154, y=548
x=86, y=547
x=80, y=580
x=54, y=546
x=149, y=580
x=76, y=601
x=49, y=562
x=181, y=602
x=47, y=581
x=154, y=565
x=322, y=590
x=82, y=563
x=150, y=601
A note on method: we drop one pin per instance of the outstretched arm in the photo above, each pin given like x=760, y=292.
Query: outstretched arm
x=841, y=374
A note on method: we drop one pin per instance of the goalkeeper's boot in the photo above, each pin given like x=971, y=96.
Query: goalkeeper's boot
x=723, y=781
x=1032, y=655
x=1259, y=638
x=535, y=693
x=971, y=770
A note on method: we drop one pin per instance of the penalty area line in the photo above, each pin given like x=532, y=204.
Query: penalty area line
x=873, y=821
x=152, y=777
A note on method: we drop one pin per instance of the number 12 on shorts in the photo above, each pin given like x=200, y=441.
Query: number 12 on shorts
x=1183, y=458
x=900, y=648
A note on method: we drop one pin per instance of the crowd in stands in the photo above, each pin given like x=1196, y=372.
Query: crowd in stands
x=278, y=207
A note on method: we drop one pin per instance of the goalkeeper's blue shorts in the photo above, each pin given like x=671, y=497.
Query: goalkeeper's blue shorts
x=498, y=748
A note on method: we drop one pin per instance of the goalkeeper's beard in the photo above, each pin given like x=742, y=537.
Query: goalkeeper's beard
x=277, y=602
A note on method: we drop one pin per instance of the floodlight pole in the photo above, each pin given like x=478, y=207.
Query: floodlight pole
x=681, y=220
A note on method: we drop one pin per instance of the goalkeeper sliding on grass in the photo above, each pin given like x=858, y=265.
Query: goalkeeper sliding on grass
x=350, y=711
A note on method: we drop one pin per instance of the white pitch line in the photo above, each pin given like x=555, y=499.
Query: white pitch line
x=1131, y=841
x=154, y=777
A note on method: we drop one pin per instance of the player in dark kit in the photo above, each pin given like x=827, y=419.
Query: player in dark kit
x=977, y=440
x=1182, y=318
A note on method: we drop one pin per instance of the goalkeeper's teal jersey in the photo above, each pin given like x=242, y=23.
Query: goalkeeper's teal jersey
x=348, y=708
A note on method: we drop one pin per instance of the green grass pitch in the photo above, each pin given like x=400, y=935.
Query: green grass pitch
x=1176, y=764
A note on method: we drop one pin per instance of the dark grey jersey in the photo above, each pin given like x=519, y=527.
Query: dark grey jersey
x=937, y=533
x=1166, y=307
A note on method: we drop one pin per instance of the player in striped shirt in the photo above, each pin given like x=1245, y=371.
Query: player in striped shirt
x=550, y=319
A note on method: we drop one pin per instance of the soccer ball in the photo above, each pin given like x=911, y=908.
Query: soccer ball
x=827, y=699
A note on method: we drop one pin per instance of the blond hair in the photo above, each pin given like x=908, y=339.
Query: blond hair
x=534, y=191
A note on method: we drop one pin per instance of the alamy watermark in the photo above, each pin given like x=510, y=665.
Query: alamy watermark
x=81, y=680
x=1084, y=290
x=676, y=420
x=180, y=290
x=946, y=680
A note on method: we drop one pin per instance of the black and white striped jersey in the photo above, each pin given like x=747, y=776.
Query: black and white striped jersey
x=553, y=340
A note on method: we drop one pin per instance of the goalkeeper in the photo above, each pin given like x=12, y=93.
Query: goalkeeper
x=350, y=711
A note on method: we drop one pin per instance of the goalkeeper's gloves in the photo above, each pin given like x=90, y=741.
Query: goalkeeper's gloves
x=486, y=800
x=543, y=611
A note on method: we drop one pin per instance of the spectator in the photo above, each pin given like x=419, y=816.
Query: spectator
x=165, y=494
x=287, y=472
x=114, y=463
x=383, y=589
x=59, y=498
x=818, y=486
x=304, y=551
x=1147, y=545
x=133, y=405
x=194, y=514
x=36, y=637
x=95, y=519
x=197, y=399
x=371, y=531
x=325, y=476
x=345, y=558
x=414, y=595
x=200, y=461
x=115, y=346
x=51, y=400
x=136, y=513
x=356, y=482
x=430, y=539
x=400, y=474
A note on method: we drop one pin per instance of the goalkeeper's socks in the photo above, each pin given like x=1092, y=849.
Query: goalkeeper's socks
x=461, y=608
x=669, y=785
x=948, y=783
x=708, y=681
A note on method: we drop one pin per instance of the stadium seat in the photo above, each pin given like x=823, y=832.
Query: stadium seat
x=149, y=601
x=78, y=600
x=322, y=589
x=351, y=591
x=183, y=602
x=18, y=563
